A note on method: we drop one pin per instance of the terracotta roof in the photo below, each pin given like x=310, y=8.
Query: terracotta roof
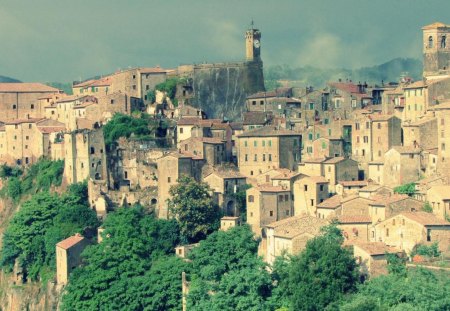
x=153, y=70
x=415, y=85
x=297, y=225
x=257, y=117
x=334, y=160
x=229, y=218
x=270, y=188
x=406, y=149
x=354, y=219
x=435, y=25
x=26, y=88
x=426, y=219
x=106, y=81
x=286, y=174
x=441, y=106
x=83, y=105
x=377, y=248
x=384, y=200
x=420, y=121
x=20, y=121
x=268, y=131
x=207, y=140
x=70, y=241
x=331, y=203
x=50, y=129
x=346, y=87
x=236, y=125
x=353, y=183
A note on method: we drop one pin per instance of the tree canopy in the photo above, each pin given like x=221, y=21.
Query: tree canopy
x=193, y=207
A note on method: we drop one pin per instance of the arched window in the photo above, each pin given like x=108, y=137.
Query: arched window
x=443, y=42
x=430, y=42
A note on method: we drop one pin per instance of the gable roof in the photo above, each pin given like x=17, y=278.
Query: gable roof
x=425, y=219
x=297, y=225
x=23, y=87
x=331, y=203
x=376, y=248
x=70, y=241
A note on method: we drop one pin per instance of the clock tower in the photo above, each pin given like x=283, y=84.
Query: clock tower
x=252, y=44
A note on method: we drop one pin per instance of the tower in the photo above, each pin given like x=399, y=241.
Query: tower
x=252, y=44
x=436, y=50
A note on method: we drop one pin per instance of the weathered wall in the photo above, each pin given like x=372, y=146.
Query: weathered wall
x=221, y=89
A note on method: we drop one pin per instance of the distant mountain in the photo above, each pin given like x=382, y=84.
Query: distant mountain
x=4, y=79
x=390, y=71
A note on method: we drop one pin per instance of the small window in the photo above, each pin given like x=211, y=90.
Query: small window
x=305, y=187
x=280, y=198
x=251, y=198
x=168, y=179
x=134, y=76
x=29, y=126
x=14, y=107
x=255, y=158
x=321, y=187
x=393, y=222
x=112, y=101
x=387, y=232
x=430, y=42
x=428, y=235
x=181, y=130
x=32, y=106
x=312, y=202
x=271, y=213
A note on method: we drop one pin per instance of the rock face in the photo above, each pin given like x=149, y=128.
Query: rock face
x=221, y=89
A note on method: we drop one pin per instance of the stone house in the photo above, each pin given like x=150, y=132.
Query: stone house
x=254, y=120
x=85, y=156
x=439, y=199
x=260, y=99
x=374, y=189
x=290, y=235
x=339, y=169
x=416, y=101
x=228, y=222
x=371, y=257
x=188, y=127
x=442, y=113
x=347, y=96
x=327, y=147
x=376, y=172
x=355, y=228
x=225, y=184
x=350, y=186
x=330, y=207
x=409, y=229
x=386, y=206
x=211, y=149
x=401, y=166
x=424, y=184
x=309, y=191
x=393, y=102
x=68, y=256
x=21, y=100
x=268, y=148
x=266, y=204
x=355, y=205
x=170, y=168
x=24, y=141
x=422, y=133
x=312, y=166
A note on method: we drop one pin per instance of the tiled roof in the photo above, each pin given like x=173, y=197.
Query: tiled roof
x=279, y=92
x=354, y=219
x=415, y=85
x=377, y=248
x=426, y=219
x=70, y=241
x=420, y=121
x=20, y=121
x=257, y=117
x=207, y=140
x=26, y=88
x=380, y=117
x=270, y=188
x=331, y=203
x=406, y=149
x=314, y=160
x=50, y=129
x=285, y=174
x=346, y=87
x=236, y=125
x=384, y=200
x=334, y=160
x=353, y=183
x=297, y=225
x=268, y=131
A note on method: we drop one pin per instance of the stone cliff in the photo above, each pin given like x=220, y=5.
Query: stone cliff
x=221, y=89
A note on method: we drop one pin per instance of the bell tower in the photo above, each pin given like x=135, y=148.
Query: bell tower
x=436, y=50
x=252, y=44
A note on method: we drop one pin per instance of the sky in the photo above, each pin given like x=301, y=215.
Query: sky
x=62, y=40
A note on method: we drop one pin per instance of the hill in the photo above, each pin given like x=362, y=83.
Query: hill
x=4, y=79
x=318, y=77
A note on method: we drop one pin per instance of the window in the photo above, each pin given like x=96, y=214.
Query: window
x=428, y=235
x=311, y=106
x=134, y=76
x=321, y=187
x=366, y=139
x=430, y=42
x=387, y=232
x=312, y=202
x=181, y=130
x=263, y=143
x=367, y=125
x=134, y=87
x=305, y=187
x=261, y=102
x=168, y=179
x=246, y=158
x=442, y=121
x=92, y=150
x=271, y=213
x=251, y=173
x=378, y=125
x=357, y=139
x=251, y=198
x=29, y=126
x=443, y=147
x=26, y=146
x=286, y=197
x=14, y=107
x=32, y=106
x=363, y=152
x=357, y=126
x=379, y=153
x=147, y=87
x=26, y=160
x=255, y=143
x=270, y=143
x=245, y=143
x=443, y=42
x=310, y=136
x=264, y=157
x=254, y=102
x=280, y=198
x=287, y=212
x=255, y=158
x=270, y=158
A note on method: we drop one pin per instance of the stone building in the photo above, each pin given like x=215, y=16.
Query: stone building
x=267, y=148
x=409, y=229
x=68, y=256
x=290, y=235
x=422, y=133
x=386, y=206
x=436, y=50
x=266, y=204
x=347, y=97
x=439, y=199
x=355, y=228
x=339, y=169
x=401, y=166
x=85, y=156
x=211, y=149
x=225, y=184
x=328, y=147
x=20, y=100
x=309, y=191
x=170, y=168
x=371, y=257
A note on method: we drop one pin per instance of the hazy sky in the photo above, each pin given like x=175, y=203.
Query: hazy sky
x=60, y=40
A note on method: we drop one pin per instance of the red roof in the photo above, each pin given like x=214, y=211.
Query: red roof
x=353, y=219
x=70, y=241
x=27, y=88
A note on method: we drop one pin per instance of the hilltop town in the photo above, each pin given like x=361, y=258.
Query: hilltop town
x=368, y=159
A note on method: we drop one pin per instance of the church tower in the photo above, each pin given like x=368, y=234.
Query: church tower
x=436, y=50
x=252, y=44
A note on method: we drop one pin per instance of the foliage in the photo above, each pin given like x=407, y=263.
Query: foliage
x=418, y=290
x=169, y=86
x=271, y=85
x=193, y=207
x=241, y=200
x=41, y=222
x=124, y=126
x=408, y=189
x=396, y=265
x=430, y=251
x=322, y=273
x=130, y=269
x=9, y=171
x=151, y=97
x=227, y=274
x=427, y=208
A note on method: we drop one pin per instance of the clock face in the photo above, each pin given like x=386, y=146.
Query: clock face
x=256, y=44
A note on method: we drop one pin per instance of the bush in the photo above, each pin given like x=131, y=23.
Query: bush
x=427, y=208
x=408, y=189
x=124, y=126
x=430, y=251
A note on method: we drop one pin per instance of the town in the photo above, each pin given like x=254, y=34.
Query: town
x=369, y=159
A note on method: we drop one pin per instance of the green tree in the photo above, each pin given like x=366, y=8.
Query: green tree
x=193, y=207
x=227, y=273
x=322, y=273
x=408, y=189
x=124, y=126
x=130, y=269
